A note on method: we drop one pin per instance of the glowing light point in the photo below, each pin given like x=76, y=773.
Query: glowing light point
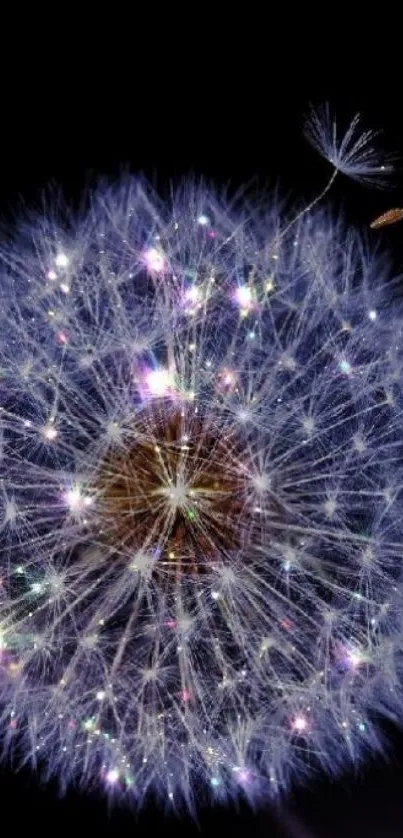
x=77, y=502
x=345, y=367
x=112, y=776
x=61, y=260
x=203, y=220
x=159, y=382
x=372, y=314
x=299, y=724
x=243, y=775
x=215, y=782
x=100, y=695
x=50, y=432
x=226, y=380
x=229, y=378
x=243, y=296
x=52, y=275
x=193, y=295
x=355, y=657
x=154, y=260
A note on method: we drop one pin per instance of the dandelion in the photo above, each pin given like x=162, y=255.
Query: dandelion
x=201, y=550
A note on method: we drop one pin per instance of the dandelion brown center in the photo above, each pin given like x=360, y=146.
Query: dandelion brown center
x=176, y=487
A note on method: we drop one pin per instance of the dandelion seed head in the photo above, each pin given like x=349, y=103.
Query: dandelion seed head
x=201, y=442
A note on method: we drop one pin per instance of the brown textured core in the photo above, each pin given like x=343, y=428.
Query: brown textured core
x=177, y=484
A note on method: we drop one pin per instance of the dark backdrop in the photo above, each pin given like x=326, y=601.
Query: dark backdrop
x=233, y=118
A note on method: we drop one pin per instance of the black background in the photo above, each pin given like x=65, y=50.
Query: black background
x=228, y=106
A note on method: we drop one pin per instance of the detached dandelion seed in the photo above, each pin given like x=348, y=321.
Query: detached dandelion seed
x=353, y=153
x=389, y=217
